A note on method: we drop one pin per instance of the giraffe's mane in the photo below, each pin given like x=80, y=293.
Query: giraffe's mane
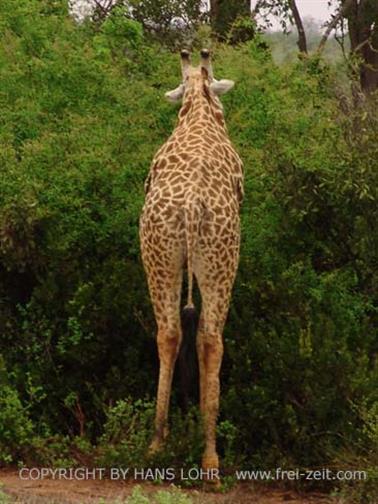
x=211, y=104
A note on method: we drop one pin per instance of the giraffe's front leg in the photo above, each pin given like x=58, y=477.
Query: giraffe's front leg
x=168, y=340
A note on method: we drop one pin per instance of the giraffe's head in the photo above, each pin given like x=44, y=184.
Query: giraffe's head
x=199, y=79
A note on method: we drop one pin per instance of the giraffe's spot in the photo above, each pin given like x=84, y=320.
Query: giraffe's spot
x=173, y=159
x=168, y=212
x=185, y=109
x=223, y=171
x=165, y=193
x=222, y=200
x=212, y=193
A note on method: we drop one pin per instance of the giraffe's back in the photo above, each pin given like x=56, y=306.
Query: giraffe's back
x=178, y=182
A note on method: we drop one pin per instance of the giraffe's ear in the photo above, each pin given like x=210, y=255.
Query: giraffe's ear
x=220, y=87
x=175, y=95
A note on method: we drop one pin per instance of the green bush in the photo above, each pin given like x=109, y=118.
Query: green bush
x=127, y=434
x=173, y=496
x=185, y=443
x=363, y=457
x=16, y=428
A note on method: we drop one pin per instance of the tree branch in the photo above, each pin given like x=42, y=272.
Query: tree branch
x=104, y=7
x=256, y=8
x=341, y=41
x=333, y=23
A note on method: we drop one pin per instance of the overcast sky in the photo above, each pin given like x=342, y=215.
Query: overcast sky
x=318, y=9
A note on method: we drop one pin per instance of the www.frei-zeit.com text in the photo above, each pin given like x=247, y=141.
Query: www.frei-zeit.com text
x=193, y=474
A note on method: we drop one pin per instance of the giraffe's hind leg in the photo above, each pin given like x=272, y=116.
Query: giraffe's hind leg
x=166, y=302
x=210, y=353
x=215, y=284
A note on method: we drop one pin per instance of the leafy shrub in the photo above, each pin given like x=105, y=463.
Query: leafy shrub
x=185, y=443
x=363, y=457
x=16, y=428
x=173, y=496
x=127, y=433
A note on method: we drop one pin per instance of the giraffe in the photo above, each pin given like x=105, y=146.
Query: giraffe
x=190, y=218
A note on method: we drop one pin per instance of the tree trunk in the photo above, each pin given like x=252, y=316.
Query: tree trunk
x=369, y=52
x=214, y=11
x=302, y=43
x=363, y=33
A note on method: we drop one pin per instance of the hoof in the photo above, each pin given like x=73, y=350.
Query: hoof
x=214, y=485
x=210, y=466
x=210, y=462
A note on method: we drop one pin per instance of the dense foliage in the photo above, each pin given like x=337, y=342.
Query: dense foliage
x=82, y=115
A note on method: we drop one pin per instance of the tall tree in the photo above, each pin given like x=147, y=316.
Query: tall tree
x=302, y=43
x=286, y=11
x=362, y=19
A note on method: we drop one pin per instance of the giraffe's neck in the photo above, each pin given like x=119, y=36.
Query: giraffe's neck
x=201, y=109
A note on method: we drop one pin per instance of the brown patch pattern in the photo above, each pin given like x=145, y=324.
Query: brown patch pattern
x=191, y=218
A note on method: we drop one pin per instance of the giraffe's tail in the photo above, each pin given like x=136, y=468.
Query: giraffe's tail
x=187, y=359
x=192, y=216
